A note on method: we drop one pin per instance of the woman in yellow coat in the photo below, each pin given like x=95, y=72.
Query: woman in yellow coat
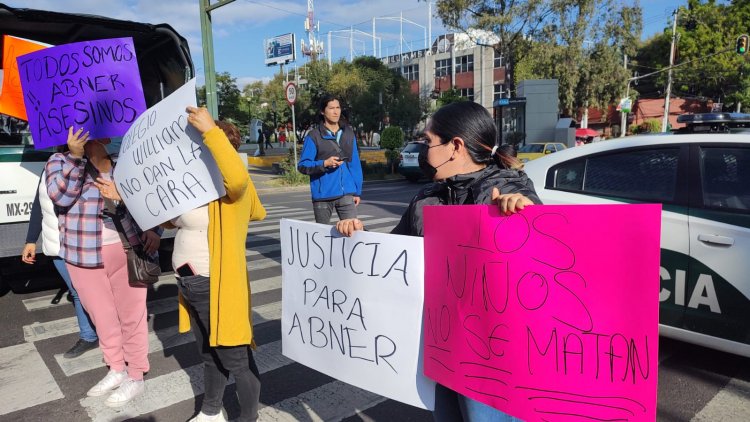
x=211, y=268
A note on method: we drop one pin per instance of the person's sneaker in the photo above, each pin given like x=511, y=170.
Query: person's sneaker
x=108, y=383
x=128, y=390
x=202, y=417
x=82, y=346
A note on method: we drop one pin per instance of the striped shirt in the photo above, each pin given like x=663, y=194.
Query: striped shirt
x=79, y=206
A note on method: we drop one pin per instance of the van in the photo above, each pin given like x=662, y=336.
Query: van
x=165, y=65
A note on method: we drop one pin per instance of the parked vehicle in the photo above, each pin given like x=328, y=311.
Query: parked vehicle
x=408, y=166
x=165, y=65
x=529, y=152
x=702, y=180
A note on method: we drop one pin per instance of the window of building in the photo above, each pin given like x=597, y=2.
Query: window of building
x=411, y=72
x=467, y=93
x=465, y=63
x=498, y=61
x=442, y=67
x=498, y=91
x=647, y=175
x=724, y=174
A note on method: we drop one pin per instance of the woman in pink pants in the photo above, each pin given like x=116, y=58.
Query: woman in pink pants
x=91, y=247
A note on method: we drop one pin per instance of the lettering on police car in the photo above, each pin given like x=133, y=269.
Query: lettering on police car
x=704, y=292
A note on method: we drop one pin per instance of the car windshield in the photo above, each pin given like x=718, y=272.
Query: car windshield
x=532, y=148
x=411, y=147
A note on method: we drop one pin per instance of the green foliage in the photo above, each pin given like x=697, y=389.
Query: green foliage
x=578, y=42
x=229, y=98
x=651, y=126
x=450, y=96
x=634, y=128
x=392, y=138
x=707, y=33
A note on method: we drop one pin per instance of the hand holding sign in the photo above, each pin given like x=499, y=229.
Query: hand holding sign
x=509, y=202
x=76, y=142
x=200, y=118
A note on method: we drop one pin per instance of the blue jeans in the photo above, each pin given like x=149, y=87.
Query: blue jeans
x=453, y=407
x=87, y=332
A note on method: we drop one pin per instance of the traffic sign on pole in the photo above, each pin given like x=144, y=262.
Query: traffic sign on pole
x=290, y=92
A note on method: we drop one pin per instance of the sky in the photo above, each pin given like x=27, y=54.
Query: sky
x=240, y=27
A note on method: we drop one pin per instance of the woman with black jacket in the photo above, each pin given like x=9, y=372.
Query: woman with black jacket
x=460, y=155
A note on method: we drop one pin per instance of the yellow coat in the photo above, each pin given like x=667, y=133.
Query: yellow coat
x=231, y=323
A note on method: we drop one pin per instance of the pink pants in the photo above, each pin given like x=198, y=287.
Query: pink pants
x=117, y=310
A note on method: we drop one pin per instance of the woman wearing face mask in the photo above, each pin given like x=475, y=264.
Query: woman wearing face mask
x=94, y=255
x=460, y=155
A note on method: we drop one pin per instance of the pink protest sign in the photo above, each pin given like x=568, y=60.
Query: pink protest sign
x=549, y=314
x=95, y=85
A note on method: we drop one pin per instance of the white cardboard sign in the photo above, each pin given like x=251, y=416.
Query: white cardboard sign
x=163, y=169
x=352, y=308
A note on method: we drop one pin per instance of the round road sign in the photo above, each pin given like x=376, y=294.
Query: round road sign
x=291, y=93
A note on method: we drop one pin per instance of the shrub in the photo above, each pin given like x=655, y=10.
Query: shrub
x=651, y=126
x=392, y=139
x=634, y=128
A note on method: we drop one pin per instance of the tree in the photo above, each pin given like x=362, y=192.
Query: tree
x=578, y=42
x=707, y=33
x=450, y=96
x=392, y=139
x=229, y=97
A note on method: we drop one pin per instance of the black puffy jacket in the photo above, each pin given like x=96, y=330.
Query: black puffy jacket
x=464, y=189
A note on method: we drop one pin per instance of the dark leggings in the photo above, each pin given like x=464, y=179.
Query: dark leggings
x=220, y=361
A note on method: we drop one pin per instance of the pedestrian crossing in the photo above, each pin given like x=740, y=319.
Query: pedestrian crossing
x=328, y=400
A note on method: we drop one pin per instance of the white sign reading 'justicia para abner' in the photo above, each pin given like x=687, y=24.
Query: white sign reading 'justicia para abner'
x=163, y=169
x=352, y=308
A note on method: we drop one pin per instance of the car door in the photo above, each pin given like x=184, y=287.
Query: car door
x=649, y=174
x=718, y=281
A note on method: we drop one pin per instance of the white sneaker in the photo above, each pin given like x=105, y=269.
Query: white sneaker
x=202, y=417
x=128, y=390
x=112, y=380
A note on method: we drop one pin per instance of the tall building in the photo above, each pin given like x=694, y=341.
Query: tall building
x=457, y=61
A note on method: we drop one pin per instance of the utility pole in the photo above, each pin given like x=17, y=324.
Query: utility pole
x=665, y=120
x=623, y=114
x=209, y=70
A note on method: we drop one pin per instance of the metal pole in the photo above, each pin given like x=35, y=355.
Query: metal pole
x=401, y=44
x=623, y=115
x=294, y=143
x=374, y=46
x=209, y=71
x=329, y=50
x=429, y=23
x=351, y=44
x=665, y=120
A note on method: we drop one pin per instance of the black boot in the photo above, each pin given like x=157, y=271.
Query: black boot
x=80, y=348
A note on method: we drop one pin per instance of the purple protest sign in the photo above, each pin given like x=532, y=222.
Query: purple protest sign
x=91, y=84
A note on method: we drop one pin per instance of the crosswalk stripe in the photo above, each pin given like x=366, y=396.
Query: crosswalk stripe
x=174, y=387
x=60, y=327
x=25, y=380
x=329, y=402
x=274, y=234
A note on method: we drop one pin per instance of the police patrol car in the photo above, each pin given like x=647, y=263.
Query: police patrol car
x=701, y=176
x=165, y=65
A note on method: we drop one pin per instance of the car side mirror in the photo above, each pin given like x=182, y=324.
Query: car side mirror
x=548, y=151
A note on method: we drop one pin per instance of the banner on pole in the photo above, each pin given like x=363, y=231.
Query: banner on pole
x=526, y=314
x=163, y=169
x=352, y=308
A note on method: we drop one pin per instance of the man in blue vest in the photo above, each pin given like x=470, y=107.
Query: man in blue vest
x=331, y=159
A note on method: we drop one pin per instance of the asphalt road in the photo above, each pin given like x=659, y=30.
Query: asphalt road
x=36, y=384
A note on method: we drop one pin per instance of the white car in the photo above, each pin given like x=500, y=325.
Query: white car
x=703, y=182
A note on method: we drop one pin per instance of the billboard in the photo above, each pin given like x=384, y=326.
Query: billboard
x=279, y=49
